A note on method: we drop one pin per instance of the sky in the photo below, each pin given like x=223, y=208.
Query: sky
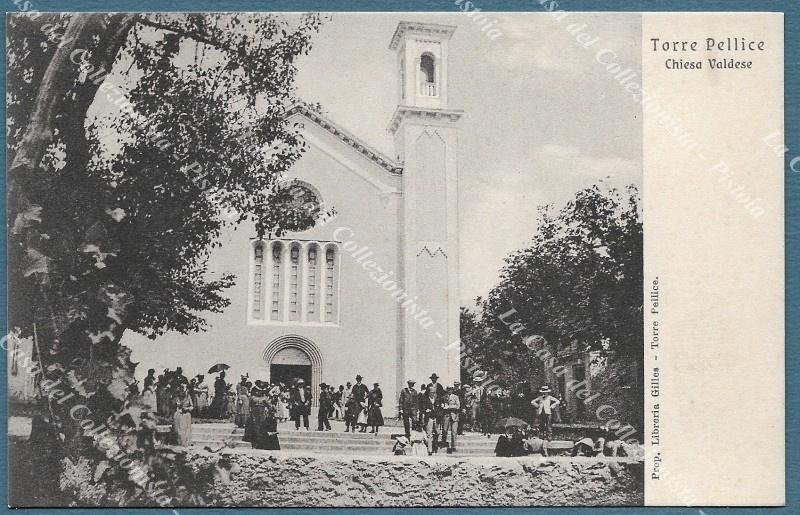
x=542, y=118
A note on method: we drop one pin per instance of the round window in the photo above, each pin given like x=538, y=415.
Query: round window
x=298, y=205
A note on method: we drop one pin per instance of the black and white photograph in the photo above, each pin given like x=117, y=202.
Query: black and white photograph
x=325, y=259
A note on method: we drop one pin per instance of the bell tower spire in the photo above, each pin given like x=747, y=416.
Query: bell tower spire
x=425, y=132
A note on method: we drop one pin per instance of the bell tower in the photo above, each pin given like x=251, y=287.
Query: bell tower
x=422, y=63
x=425, y=132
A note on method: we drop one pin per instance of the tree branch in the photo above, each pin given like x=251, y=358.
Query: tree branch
x=189, y=34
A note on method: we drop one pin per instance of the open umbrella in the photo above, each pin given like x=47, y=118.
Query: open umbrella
x=219, y=367
x=509, y=422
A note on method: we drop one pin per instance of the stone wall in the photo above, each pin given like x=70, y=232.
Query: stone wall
x=269, y=479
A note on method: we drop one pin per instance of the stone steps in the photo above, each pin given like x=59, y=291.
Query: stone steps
x=337, y=448
x=387, y=436
x=331, y=442
x=339, y=442
x=381, y=443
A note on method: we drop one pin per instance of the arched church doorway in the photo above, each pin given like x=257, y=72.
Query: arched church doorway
x=289, y=365
x=291, y=357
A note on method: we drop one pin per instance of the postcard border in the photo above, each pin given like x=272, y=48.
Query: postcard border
x=791, y=12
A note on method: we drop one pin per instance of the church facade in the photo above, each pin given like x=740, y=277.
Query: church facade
x=370, y=290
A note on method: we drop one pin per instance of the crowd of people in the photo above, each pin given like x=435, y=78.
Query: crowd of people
x=356, y=404
x=523, y=441
x=166, y=391
x=433, y=417
x=445, y=412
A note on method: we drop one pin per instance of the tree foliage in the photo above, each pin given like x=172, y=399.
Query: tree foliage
x=112, y=214
x=579, y=280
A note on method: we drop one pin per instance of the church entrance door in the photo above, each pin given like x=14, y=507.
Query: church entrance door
x=288, y=374
x=291, y=357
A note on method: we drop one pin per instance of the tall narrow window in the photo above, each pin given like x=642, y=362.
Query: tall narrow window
x=427, y=69
x=294, y=283
x=312, y=283
x=275, y=310
x=330, y=285
x=258, y=272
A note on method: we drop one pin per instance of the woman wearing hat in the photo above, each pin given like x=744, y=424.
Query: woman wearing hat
x=544, y=405
x=267, y=431
x=242, y=402
x=201, y=392
x=182, y=420
x=374, y=404
x=149, y=396
x=281, y=398
x=351, y=409
x=258, y=401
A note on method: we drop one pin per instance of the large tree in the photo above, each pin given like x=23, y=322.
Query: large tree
x=112, y=212
x=579, y=280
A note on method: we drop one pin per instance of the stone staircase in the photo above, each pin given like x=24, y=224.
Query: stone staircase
x=332, y=442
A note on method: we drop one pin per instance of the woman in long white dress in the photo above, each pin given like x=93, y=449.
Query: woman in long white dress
x=281, y=407
x=361, y=420
x=149, y=398
x=201, y=390
x=182, y=420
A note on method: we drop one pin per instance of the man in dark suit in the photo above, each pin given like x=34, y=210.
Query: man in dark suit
x=300, y=404
x=359, y=393
x=360, y=390
x=442, y=399
x=423, y=389
x=431, y=411
x=325, y=405
x=409, y=406
x=437, y=385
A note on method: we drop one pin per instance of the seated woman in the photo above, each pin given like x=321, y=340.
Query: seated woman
x=535, y=445
x=510, y=444
x=587, y=447
x=402, y=446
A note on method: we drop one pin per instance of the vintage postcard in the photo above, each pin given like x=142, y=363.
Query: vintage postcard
x=408, y=259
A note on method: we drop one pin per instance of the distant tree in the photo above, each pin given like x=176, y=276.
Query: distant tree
x=111, y=219
x=580, y=280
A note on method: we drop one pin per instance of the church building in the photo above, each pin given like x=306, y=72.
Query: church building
x=371, y=290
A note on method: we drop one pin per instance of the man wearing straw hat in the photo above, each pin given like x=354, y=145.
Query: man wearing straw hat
x=544, y=405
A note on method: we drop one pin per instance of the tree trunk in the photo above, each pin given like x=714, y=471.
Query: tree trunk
x=39, y=133
x=57, y=78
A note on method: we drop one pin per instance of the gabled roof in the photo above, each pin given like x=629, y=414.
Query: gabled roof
x=381, y=160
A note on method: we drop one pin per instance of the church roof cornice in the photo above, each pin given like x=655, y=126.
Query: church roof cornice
x=430, y=29
x=349, y=139
x=424, y=114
